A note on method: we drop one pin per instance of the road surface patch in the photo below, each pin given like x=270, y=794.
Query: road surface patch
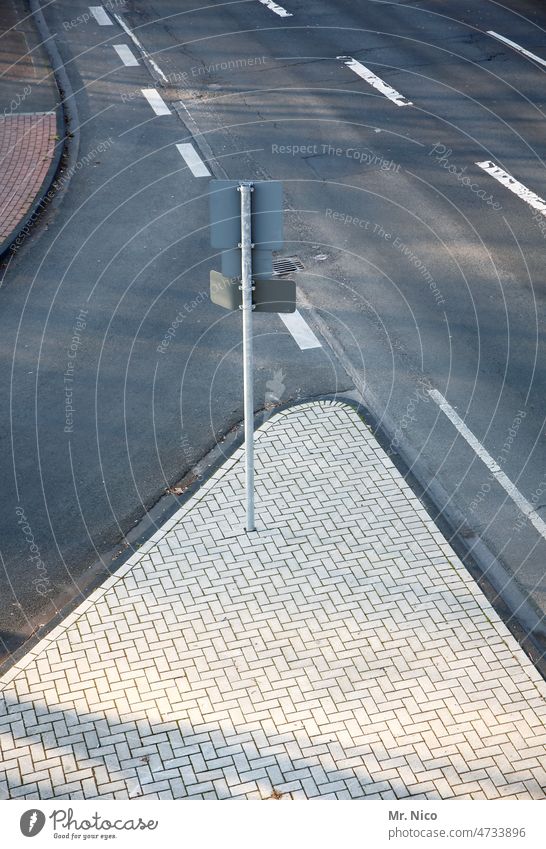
x=126, y=55
x=510, y=183
x=517, y=497
x=517, y=47
x=375, y=81
x=193, y=160
x=156, y=101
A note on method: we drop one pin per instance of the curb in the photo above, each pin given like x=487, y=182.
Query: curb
x=517, y=611
x=157, y=515
x=67, y=129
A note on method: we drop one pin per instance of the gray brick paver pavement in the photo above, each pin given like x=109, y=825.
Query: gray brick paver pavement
x=341, y=652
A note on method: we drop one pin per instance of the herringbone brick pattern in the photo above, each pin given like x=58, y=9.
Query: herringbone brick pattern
x=341, y=651
x=27, y=148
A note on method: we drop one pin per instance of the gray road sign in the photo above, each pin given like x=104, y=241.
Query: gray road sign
x=225, y=291
x=246, y=225
x=276, y=295
x=266, y=217
x=262, y=263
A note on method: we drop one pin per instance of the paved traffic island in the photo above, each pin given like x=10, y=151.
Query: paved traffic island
x=341, y=651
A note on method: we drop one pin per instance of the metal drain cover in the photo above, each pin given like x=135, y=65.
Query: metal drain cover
x=287, y=265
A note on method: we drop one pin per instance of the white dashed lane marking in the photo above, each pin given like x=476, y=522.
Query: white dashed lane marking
x=156, y=101
x=193, y=161
x=100, y=16
x=138, y=44
x=279, y=10
x=125, y=54
x=524, y=505
x=517, y=47
x=517, y=188
x=375, y=81
x=300, y=330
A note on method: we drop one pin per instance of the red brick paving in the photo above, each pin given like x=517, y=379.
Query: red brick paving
x=27, y=147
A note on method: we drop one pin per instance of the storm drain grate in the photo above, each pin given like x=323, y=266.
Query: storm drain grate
x=287, y=265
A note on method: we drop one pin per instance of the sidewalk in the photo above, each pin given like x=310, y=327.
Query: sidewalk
x=29, y=123
x=340, y=651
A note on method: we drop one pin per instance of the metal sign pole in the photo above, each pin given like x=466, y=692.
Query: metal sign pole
x=248, y=365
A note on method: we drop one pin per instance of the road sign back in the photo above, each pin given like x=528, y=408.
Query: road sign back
x=225, y=291
x=276, y=295
x=225, y=214
x=262, y=263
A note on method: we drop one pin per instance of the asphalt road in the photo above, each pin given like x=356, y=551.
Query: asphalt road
x=423, y=271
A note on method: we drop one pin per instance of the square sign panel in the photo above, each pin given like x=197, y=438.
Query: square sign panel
x=225, y=214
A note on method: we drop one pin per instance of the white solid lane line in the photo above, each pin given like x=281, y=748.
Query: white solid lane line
x=517, y=47
x=300, y=330
x=193, y=161
x=517, y=188
x=138, y=44
x=282, y=13
x=100, y=16
x=375, y=81
x=524, y=505
x=125, y=54
x=156, y=101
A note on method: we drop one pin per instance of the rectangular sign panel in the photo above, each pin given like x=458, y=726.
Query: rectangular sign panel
x=262, y=263
x=276, y=295
x=225, y=291
x=225, y=214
